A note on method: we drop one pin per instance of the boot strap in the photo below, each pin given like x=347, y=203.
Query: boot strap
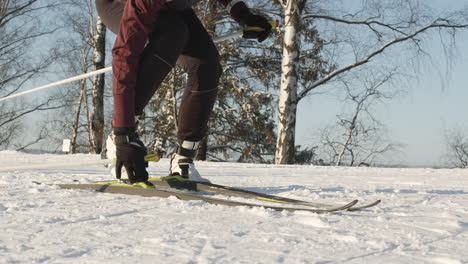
x=189, y=153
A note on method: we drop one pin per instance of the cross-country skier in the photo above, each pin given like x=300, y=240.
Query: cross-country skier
x=152, y=36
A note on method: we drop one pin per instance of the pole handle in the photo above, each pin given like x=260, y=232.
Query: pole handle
x=274, y=24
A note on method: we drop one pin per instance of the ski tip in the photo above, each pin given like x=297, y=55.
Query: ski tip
x=358, y=208
x=376, y=202
x=343, y=207
x=351, y=204
x=335, y=209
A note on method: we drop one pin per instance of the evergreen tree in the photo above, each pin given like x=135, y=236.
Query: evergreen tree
x=241, y=125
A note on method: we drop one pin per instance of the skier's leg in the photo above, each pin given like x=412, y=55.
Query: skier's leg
x=200, y=59
x=160, y=56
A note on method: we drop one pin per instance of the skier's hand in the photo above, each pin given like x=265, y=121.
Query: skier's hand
x=257, y=27
x=130, y=152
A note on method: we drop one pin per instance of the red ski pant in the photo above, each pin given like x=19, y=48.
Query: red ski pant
x=178, y=38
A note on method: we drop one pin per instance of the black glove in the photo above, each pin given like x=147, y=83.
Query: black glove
x=247, y=19
x=131, y=155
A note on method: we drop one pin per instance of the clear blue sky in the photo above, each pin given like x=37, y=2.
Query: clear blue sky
x=436, y=100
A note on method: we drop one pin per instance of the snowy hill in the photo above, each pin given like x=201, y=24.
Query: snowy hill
x=423, y=217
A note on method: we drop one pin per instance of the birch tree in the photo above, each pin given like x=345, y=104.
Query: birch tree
x=287, y=105
x=99, y=58
x=82, y=104
x=83, y=50
x=385, y=25
x=21, y=27
x=302, y=63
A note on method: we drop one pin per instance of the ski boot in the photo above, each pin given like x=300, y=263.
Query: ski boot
x=182, y=167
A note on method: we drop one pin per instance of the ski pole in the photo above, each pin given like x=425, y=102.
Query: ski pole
x=274, y=24
x=72, y=79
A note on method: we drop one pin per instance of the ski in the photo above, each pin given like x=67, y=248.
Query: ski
x=122, y=188
x=175, y=182
x=362, y=207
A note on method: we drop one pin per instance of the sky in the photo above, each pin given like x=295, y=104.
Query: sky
x=434, y=102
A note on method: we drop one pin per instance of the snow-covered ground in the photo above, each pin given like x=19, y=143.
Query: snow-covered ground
x=423, y=217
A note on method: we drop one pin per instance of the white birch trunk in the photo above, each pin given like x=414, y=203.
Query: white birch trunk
x=99, y=55
x=84, y=94
x=3, y=7
x=76, y=122
x=88, y=120
x=287, y=106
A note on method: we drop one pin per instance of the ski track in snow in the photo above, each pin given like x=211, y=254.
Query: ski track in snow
x=423, y=217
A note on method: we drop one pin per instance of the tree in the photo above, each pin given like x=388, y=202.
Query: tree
x=305, y=156
x=287, y=106
x=20, y=28
x=302, y=64
x=457, y=148
x=367, y=33
x=99, y=58
x=241, y=125
x=82, y=50
x=358, y=137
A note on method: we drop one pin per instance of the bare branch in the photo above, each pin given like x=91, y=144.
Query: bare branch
x=368, y=23
x=335, y=73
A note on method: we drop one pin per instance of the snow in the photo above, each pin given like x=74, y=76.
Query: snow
x=423, y=217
